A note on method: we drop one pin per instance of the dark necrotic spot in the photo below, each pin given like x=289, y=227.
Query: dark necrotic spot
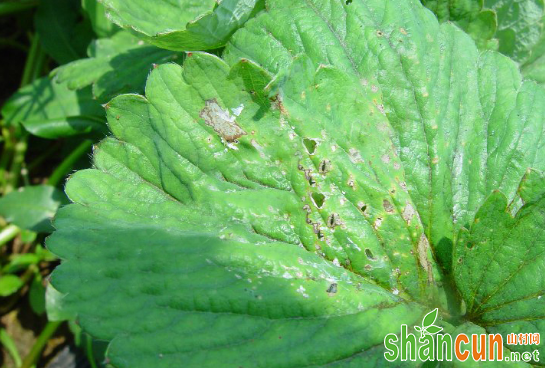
x=325, y=166
x=332, y=289
x=369, y=254
x=332, y=220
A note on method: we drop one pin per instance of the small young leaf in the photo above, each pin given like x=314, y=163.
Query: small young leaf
x=9, y=284
x=20, y=262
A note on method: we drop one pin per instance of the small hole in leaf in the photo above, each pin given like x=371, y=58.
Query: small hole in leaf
x=369, y=254
x=362, y=207
x=310, y=145
x=318, y=199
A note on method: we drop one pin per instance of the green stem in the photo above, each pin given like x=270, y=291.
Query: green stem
x=6, y=155
x=8, y=233
x=10, y=346
x=33, y=67
x=32, y=358
x=64, y=168
x=17, y=164
x=89, y=351
x=31, y=60
x=10, y=7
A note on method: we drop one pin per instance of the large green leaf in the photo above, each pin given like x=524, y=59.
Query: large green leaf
x=183, y=25
x=116, y=65
x=51, y=110
x=228, y=213
x=288, y=207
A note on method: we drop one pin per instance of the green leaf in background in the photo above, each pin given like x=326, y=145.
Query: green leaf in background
x=116, y=65
x=469, y=15
x=51, y=110
x=515, y=26
x=20, y=262
x=32, y=207
x=63, y=34
x=499, y=262
x=520, y=26
x=10, y=284
x=183, y=25
x=219, y=227
x=96, y=12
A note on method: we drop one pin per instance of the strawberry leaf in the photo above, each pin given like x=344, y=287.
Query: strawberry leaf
x=116, y=65
x=182, y=26
x=308, y=187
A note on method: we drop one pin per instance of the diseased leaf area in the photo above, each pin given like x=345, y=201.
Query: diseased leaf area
x=343, y=168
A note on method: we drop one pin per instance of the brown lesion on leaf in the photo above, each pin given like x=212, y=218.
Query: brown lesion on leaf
x=388, y=207
x=422, y=250
x=221, y=121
